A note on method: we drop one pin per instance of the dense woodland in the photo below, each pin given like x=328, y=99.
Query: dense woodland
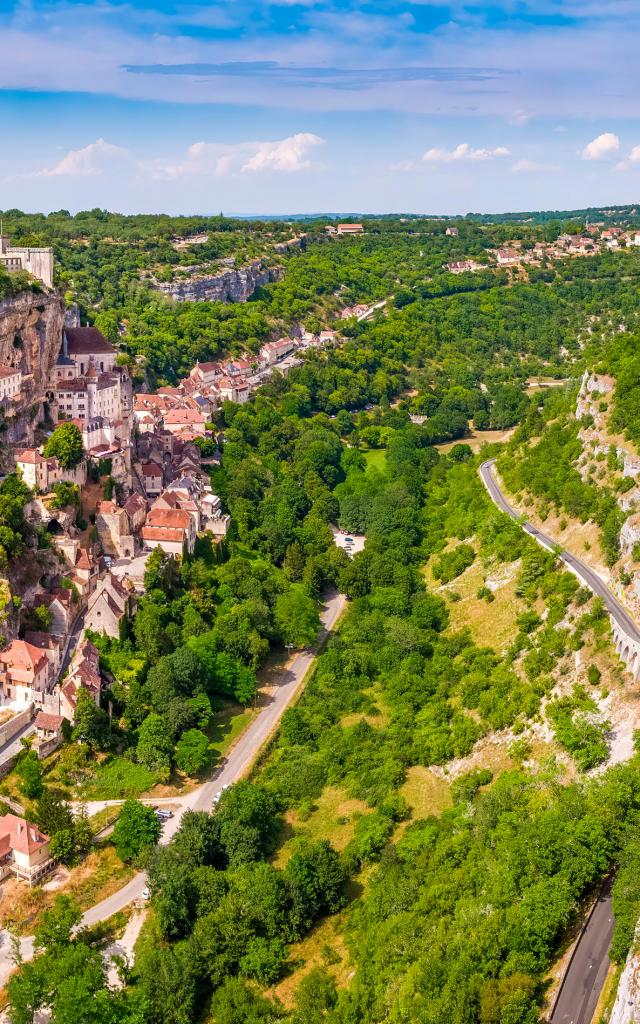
x=456, y=917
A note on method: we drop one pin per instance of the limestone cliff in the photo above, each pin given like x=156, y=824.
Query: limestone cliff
x=232, y=285
x=30, y=335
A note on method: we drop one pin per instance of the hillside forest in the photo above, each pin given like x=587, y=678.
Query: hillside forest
x=436, y=810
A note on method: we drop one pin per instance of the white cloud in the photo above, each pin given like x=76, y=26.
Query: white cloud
x=601, y=148
x=88, y=162
x=520, y=117
x=532, y=167
x=215, y=159
x=463, y=152
x=404, y=166
x=633, y=160
x=287, y=155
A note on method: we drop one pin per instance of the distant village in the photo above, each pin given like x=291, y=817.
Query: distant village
x=597, y=238
x=160, y=497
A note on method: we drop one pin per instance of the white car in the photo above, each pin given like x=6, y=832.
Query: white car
x=145, y=893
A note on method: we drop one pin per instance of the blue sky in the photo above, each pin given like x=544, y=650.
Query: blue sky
x=311, y=105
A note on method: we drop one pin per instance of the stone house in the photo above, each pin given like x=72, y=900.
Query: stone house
x=152, y=478
x=60, y=603
x=110, y=605
x=84, y=672
x=40, y=473
x=50, y=647
x=24, y=850
x=48, y=733
x=174, y=530
x=10, y=382
x=136, y=508
x=24, y=672
x=114, y=530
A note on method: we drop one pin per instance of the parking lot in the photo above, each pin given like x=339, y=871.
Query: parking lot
x=350, y=542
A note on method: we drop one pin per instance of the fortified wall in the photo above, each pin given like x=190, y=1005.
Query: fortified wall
x=37, y=262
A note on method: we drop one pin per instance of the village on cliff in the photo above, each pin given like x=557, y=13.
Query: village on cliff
x=156, y=451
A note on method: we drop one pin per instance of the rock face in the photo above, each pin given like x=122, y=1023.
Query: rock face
x=226, y=286
x=30, y=335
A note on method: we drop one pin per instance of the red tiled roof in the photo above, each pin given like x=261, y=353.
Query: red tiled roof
x=174, y=518
x=20, y=654
x=51, y=723
x=162, y=533
x=21, y=834
x=30, y=457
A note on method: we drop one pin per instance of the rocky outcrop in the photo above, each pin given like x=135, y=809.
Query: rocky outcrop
x=232, y=285
x=30, y=336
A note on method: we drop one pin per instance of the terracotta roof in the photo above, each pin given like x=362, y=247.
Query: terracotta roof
x=84, y=560
x=8, y=371
x=159, y=533
x=20, y=654
x=91, y=371
x=135, y=503
x=30, y=457
x=51, y=723
x=86, y=341
x=184, y=416
x=174, y=518
x=152, y=469
x=21, y=834
x=207, y=367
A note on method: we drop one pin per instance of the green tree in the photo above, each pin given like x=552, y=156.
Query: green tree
x=31, y=774
x=155, y=745
x=91, y=723
x=65, y=444
x=192, y=752
x=136, y=831
x=297, y=617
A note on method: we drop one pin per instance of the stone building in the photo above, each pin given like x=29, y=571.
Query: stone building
x=35, y=260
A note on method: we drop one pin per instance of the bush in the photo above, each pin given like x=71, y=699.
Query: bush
x=136, y=831
x=452, y=564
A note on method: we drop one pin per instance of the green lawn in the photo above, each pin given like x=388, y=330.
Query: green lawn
x=376, y=458
x=227, y=724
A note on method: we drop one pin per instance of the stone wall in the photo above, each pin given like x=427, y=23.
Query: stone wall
x=232, y=285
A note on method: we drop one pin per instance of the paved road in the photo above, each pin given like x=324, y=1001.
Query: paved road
x=13, y=746
x=586, y=574
x=238, y=763
x=587, y=970
x=582, y=984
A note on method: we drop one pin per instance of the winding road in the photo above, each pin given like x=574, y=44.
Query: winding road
x=236, y=765
x=576, y=565
x=587, y=970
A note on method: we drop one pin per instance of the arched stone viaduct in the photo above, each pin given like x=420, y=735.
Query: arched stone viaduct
x=628, y=649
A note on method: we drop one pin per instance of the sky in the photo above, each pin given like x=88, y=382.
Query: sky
x=304, y=106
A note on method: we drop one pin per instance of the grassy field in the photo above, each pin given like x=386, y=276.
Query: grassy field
x=376, y=458
x=227, y=724
x=425, y=793
x=334, y=818
x=492, y=623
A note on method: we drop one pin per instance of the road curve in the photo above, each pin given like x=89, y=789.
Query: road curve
x=587, y=970
x=583, y=571
x=236, y=765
